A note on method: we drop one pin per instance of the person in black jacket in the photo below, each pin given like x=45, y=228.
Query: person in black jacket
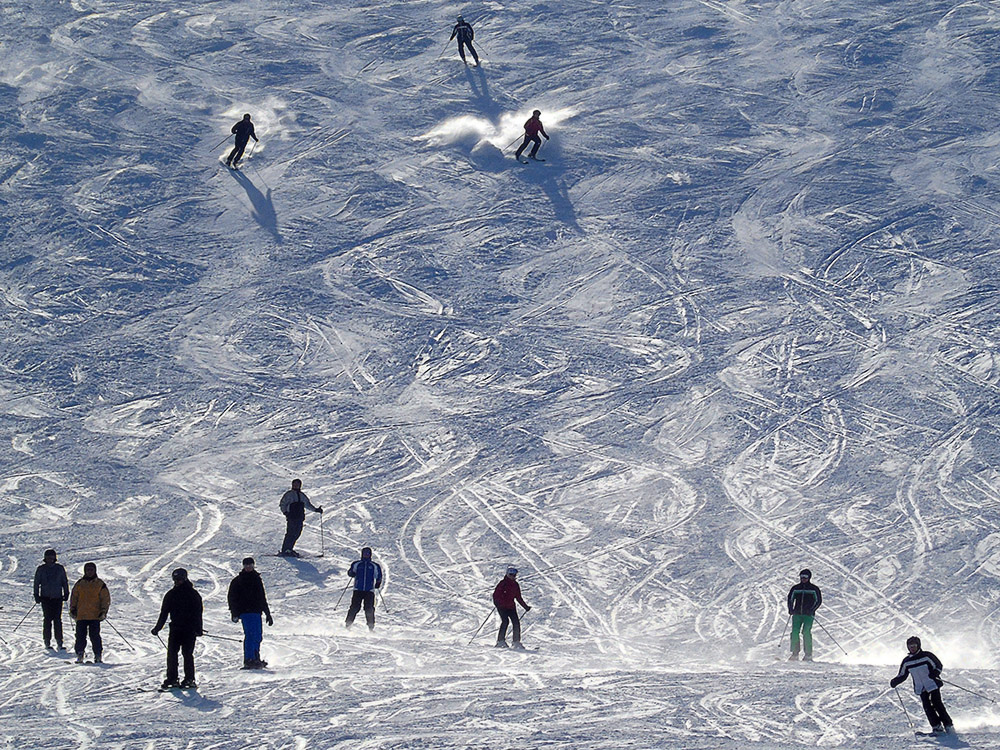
x=244, y=132
x=51, y=590
x=804, y=599
x=463, y=30
x=183, y=604
x=925, y=670
x=247, y=602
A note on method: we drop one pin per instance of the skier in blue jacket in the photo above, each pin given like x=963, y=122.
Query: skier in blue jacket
x=367, y=577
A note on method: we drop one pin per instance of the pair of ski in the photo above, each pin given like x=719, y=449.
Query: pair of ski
x=529, y=159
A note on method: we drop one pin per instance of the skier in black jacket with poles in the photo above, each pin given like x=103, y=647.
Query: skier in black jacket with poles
x=183, y=604
x=463, y=30
x=804, y=598
x=247, y=602
x=51, y=591
x=244, y=132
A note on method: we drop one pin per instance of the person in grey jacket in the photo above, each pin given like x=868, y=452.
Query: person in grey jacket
x=293, y=504
x=51, y=590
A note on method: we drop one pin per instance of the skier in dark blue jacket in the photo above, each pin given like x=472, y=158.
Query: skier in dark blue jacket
x=244, y=132
x=367, y=577
x=463, y=30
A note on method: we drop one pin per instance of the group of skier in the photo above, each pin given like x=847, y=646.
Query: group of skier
x=923, y=667
x=464, y=33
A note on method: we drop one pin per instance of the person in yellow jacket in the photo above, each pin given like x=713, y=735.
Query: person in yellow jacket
x=88, y=606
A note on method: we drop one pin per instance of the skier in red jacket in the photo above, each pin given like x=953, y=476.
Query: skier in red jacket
x=505, y=596
x=531, y=130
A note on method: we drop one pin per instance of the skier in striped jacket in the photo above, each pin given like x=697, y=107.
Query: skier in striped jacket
x=924, y=668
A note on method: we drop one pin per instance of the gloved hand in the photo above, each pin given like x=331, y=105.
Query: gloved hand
x=319, y=509
x=236, y=618
x=38, y=600
x=895, y=681
x=103, y=617
x=546, y=137
x=527, y=608
x=270, y=620
x=155, y=631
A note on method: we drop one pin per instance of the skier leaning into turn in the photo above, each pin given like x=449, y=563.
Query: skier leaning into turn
x=463, y=30
x=244, y=132
x=505, y=598
x=925, y=670
x=531, y=130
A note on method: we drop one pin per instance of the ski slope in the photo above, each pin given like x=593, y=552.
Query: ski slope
x=743, y=320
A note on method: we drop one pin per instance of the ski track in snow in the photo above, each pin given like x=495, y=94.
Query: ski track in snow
x=741, y=321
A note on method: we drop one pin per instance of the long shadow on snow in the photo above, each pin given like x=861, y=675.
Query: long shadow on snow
x=481, y=93
x=548, y=179
x=309, y=572
x=263, y=208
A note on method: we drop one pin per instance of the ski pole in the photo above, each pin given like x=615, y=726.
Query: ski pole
x=342, y=594
x=978, y=695
x=112, y=626
x=446, y=46
x=251, y=149
x=160, y=640
x=322, y=537
x=222, y=637
x=831, y=637
x=481, y=626
x=383, y=600
x=25, y=617
x=783, y=631
x=222, y=141
x=903, y=706
x=511, y=143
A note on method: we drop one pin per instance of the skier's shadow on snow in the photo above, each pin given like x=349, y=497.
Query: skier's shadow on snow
x=308, y=572
x=263, y=207
x=481, y=91
x=548, y=179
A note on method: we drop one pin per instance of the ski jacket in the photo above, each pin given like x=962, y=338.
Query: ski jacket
x=51, y=582
x=183, y=604
x=90, y=600
x=244, y=131
x=804, y=599
x=367, y=575
x=247, y=595
x=533, y=127
x=506, y=593
x=925, y=669
x=295, y=502
x=464, y=32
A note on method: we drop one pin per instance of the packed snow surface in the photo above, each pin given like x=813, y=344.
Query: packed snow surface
x=743, y=320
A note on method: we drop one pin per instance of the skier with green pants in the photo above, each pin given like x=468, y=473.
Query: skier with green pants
x=804, y=598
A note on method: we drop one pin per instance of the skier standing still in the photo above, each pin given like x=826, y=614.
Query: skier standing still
x=247, y=603
x=463, y=30
x=531, y=130
x=505, y=596
x=925, y=670
x=293, y=504
x=183, y=605
x=89, y=603
x=804, y=598
x=51, y=590
x=244, y=132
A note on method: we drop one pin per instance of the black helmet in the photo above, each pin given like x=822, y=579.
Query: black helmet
x=179, y=575
x=536, y=112
x=366, y=551
x=460, y=19
x=805, y=573
x=50, y=553
x=913, y=641
x=246, y=116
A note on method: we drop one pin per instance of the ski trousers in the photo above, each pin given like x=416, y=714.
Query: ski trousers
x=93, y=629
x=359, y=599
x=52, y=620
x=803, y=623
x=934, y=708
x=462, y=43
x=237, y=153
x=509, y=616
x=181, y=641
x=536, y=139
x=293, y=527
x=253, y=634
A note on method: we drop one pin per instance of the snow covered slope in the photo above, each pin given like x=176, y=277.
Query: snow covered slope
x=743, y=320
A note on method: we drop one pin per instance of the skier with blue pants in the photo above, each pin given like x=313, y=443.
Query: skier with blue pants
x=247, y=603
